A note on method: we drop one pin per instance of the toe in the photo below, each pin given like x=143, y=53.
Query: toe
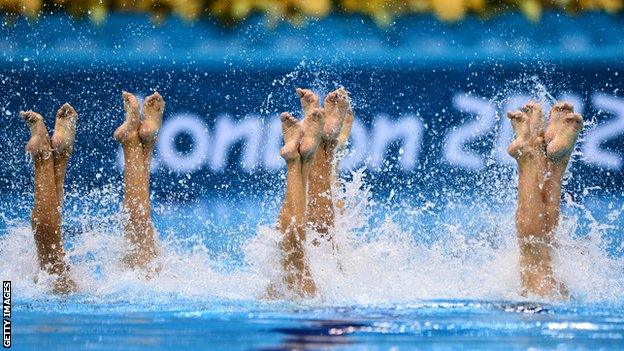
x=66, y=111
x=154, y=100
x=574, y=118
x=532, y=106
x=563, y=106
x=317, y=114
x=332, y=97
x=130, y=99
x=29, y=116
x=516, y=117
x=286, y=117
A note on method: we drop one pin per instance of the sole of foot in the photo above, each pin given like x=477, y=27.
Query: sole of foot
x=336, y=106
x=39, y=143
x=312, y=133
x=293, y=133
x=309, y=100
x=64, y=130
x=153, y=108
x=536, y=119
x=563, y=130
x=520, y=146
x=343, y=138
x=132, y=118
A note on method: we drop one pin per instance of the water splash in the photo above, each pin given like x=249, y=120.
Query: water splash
x=376, y=260
x=388, y=248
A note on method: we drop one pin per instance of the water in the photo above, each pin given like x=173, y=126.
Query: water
x=426, y=252
x=250, y=325
x=439, y=272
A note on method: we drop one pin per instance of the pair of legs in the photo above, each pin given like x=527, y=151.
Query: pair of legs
x=542, y=158
x=309, y=149
x=138, y=137
x=51, y=155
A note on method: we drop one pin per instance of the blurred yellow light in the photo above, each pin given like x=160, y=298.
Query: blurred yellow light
x=383, y=12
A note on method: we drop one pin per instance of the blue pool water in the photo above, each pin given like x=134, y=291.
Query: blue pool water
x=420, y=273
x=245, y=325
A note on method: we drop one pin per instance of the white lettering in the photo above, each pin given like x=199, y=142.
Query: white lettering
x=407, y=129
x=592, y=150
x=197, y=130
x=357, y=146
x=272, y=145
x=454, y=152
x=227, y=133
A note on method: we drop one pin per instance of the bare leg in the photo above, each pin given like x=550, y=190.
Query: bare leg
x=320, y=205
x=46, y=217
x=346, y=129
x=343, y=138
x=139, y=229
x=310, y=142
x=153, y=108
x=290, y=222
x=311, y=139
x=63, y=145
x=561, y=134
x=534, y=240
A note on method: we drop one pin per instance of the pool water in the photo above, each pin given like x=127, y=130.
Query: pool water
x=439, y=273
x=252, y=325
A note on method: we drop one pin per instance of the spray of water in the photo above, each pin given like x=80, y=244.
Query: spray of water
x=386, y=251
x=373, y=261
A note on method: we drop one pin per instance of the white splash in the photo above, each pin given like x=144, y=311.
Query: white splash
x=373, y=261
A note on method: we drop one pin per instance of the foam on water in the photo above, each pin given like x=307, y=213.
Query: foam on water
x=375, y=261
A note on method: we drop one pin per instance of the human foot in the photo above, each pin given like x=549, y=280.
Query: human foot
x=336, y=107
x=39, y=143
x=293, y=132
x=312, y=133
x=64, y=130
x=309, y=100
x=346, y=128
x=563, y=129
x=153, y=108
x=519, y=147
x=536, y=120
x=133, y=118
x=528, y=128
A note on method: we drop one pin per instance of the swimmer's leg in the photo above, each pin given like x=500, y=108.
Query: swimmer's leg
x=153, y=108
x=63, y=145
x=310, y=142
x=290, y=222
x=535, y=243
x=320, y=205
x=561, y=135
x=343, y=138
x=46, y=216
x=563, y=129
x=139, y=229
x=346, y=128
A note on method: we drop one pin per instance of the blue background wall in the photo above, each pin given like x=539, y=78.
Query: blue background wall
x=429, y=97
